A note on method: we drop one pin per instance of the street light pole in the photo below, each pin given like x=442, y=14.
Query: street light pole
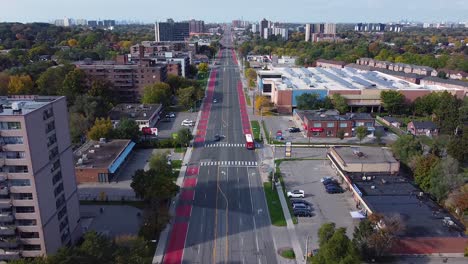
x=306, y=249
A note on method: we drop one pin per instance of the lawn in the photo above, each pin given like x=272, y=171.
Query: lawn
x=265, y=132
x=247, y=98
x=279, y=176
x=256, y=130
x=288, y=253
x=274, y=205
x=179, y=149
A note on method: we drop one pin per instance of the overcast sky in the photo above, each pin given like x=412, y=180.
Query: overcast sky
x=224, y=11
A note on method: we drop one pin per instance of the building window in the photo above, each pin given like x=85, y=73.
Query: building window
x=14, y=169
x=50, y=126
x=31, y=247
x=12, y=154
x=11, y=140
x=29, y=234
x=343, y=124
x=58, y=189
x=48, y=113
x=317, y=124
x=63, y=224
x=369, y=124
x=330, y=124
x=358, y=124
x=26, y=222
x=53, y=153
x=22, y=196
x=329, y=133
x=65, y=235
x=56, y=178
x=62, y=212
x=55, y=166
x=10, y=125
x=60, y=201
x=51, y=140
x=19, y=182
x=24, y=209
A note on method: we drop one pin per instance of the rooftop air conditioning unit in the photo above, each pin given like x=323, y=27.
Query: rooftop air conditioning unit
x=97, y=146
x=84, y=157
x=80, y=161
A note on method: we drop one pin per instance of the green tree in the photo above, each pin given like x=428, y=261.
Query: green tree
x=158, y=93
x=339, y=102
x=102, y=88
x=188, y=96
x=423, y=165
x=392, y=101
x=74, y=84
x=458, y=146
x=378, y=136
x=340, y=134
x=336, y=247
x=128, y=129
x=102, y=128
x=447, y=113
x=406, y=147
x=161, y=163
x=445, y=177
x=20, y=84
x=203, y=68
x=362, y=238
x=78, y=127
x=183, y=137
x=4, y=80
x=325, y=232
x=175, y=82
x=50, y=82
x=308, y=101
x=250, y=74
x=361, y=133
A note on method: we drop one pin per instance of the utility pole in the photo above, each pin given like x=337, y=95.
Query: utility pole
x=306, y=249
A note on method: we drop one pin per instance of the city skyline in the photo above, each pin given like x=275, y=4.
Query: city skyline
x=211, y=11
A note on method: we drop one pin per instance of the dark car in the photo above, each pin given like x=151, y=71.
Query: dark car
x=294, y=130
x=302, y=212
x=300, y=201
x=329, y=181
x=334, y=189
x=217, y=138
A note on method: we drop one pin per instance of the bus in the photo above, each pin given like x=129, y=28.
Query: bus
x=249, y=143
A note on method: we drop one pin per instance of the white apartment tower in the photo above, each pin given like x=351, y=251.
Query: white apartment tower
x=39, y=209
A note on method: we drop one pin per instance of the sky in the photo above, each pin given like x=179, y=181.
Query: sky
x=302, y=11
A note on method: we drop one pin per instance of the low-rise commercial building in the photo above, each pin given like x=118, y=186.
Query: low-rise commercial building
x=330, y=123
x=99, y=161
x=359, y=87
x=145, y=115
x=362, y=160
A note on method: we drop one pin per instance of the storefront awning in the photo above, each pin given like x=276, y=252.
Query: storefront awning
x=119, y=160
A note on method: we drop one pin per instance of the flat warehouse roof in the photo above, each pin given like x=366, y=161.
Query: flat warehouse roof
x=365, y=155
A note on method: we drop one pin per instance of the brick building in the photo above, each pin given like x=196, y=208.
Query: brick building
x=327, y=123
x=128, y=79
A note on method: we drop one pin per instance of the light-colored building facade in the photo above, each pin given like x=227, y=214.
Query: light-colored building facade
x=39, y=209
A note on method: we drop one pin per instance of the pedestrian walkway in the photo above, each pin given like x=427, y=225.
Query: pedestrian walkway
x=232, y=163
x=228, y=145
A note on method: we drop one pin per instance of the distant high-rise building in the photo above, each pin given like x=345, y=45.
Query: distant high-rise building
x=58, y=22
x=307, y=32
x=267, y=32
x=280, y=31
x=109, y=23
x=80, y=22
x=329, y=28
x=196, y=26
x=67, y=22
x=171, y=31
x=369, y=27
x=320, y=31
x=255, y=28
x=263, y=24
x=40, y=209
x=236, y=23
x=92, y=23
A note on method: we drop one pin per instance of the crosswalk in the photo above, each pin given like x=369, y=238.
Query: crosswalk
x=229, y=163
x=227, y=145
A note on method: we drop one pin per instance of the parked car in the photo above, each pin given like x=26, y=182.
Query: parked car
x=325, y=178
x=187, y=122
x=302, y=212
x=170, y=115
x=217, y=137
x=301, y=206
x=300, y=201
x=334, y=189
x=329, y=181
x=296, y=194
x=215, y=101
x=294, y=130
x=279, y=135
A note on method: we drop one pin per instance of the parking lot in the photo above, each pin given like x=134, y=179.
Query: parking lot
x=306, y=175
x=275, y=123
x=165, y=129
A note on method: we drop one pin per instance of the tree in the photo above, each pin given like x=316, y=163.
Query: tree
x=188, y=96
x=175, y=82
x=261, y=102
x=4, y=81
x=78, y=127
x=335, y=247
x=340, y=134
x=308, y=101
x=183, y=137
x=203, y=68
x=362, y=237
x=161, y=163
x=102, y=88
x=458, y=146
x=72, y=42
x=378, y=135
x=158, y=93
x=128, y=129
x=74, y=84
x=339, y=102
x=445, y=177
x=405, y=147
x=102, y=128
x=20, y=84
x=361, y=133
x=154, y=185
x=447, y=113
x=392, y=101
x=50, y=82
x=423, y=165
x=250, y=74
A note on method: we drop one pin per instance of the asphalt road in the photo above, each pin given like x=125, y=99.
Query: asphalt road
x=229, y=220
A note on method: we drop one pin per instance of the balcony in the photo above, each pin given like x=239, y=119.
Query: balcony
x=9, y=243
x=6, y=217
x=4, y=190
x=7, y=230
x=5, y=203
x=9, y=254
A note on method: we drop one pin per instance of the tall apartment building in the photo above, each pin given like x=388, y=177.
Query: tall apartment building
x=128, y=79
x=307, y=32
x=196, y=26
x=39, y=210
x=263, y=24
x=320, y=31
x=171, y=31
x=255, y=28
